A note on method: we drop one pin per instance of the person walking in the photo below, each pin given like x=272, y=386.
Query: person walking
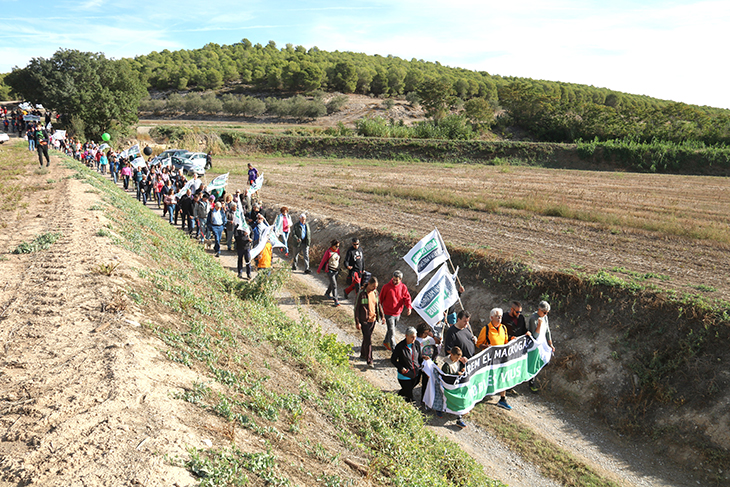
x=215, y=222
x=41, y=139
x=243, y=249
x=538, y=325
x=354, y=264
x=282, y=227
x=408, y=361
x=331, y=263
x=368, y=312
x=395, y=297
x=301, y=240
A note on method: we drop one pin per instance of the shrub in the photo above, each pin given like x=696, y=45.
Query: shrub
x=336, y=104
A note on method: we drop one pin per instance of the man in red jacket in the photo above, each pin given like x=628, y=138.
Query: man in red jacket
x=394, y=297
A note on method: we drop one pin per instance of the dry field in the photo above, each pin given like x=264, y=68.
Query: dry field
x=657, y=230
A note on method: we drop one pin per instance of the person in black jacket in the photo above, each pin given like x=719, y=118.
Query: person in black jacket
x=185, y=206
x=354, y=265
x=243, y=249
x=407, y=359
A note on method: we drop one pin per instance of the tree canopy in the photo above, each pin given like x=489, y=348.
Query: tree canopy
x=103, y=94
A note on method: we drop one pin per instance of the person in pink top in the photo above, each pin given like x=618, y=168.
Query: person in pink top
x=331, y=263
x=394, y=297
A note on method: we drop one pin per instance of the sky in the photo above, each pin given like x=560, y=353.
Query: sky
x=668, y=49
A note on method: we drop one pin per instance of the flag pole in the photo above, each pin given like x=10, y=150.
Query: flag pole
x=453, y=269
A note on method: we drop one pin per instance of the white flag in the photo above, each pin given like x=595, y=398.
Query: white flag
x=437, y=296
x=275, y=242
x=103, y=146
x=218, y=183
x=238, y=218
x=133, y=151
x=59, y=135
x=256, y=185
x=427, y=254
x=139, y=162
x=263, y=239
x=184, y=189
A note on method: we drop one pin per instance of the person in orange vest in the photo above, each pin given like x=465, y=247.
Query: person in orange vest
x=495, y=333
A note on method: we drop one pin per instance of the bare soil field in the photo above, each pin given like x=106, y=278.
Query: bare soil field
x=635, y=226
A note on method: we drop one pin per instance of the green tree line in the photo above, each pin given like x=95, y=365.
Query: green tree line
x=546, y=110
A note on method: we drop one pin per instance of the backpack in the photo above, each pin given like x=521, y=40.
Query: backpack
x=334, y=261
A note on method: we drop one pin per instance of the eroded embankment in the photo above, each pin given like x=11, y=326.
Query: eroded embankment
x=644, y=365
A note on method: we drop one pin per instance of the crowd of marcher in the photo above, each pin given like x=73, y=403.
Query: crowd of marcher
x=210, y=216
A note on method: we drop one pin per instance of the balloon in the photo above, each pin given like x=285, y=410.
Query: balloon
x=105, y=137
x=147, y=151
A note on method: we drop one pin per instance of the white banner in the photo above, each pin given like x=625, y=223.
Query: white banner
x=139, y=162
x=59, y=135
x=256, y=185
x=437, y=296
x=218, y=183
x=103, y=146
x=133, y=151
x=427, y=254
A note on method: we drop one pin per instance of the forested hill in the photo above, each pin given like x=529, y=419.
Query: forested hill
x=548, y=110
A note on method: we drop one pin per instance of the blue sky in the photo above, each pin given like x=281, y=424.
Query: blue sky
x=671, y=49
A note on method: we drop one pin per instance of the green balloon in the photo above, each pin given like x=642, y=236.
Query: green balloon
x=105, y=137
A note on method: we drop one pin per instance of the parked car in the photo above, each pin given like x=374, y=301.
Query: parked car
x=167, y=154
x=191, y=162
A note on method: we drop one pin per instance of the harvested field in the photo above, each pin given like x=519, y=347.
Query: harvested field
x=667, y=231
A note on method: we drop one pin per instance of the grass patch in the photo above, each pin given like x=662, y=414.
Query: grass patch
x=40, y=242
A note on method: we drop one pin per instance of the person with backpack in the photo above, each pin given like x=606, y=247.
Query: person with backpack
x=331, y=263
x=495, y=333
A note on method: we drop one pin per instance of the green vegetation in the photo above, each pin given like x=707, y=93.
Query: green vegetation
x=100, y=95
x=657, y=155
x=549, y=111
x=226, y=329
x=40, y=242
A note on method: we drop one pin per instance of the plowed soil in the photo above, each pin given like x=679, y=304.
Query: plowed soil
x=621, y=205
